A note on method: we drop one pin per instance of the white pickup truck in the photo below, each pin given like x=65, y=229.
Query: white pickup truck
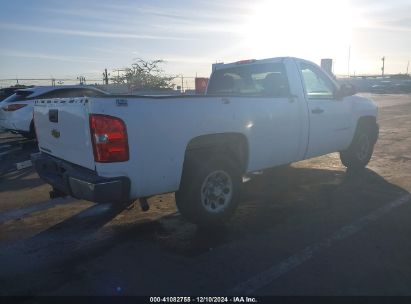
x=256, y=114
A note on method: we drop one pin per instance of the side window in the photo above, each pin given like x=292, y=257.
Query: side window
x=318, y=86
x=251, y=80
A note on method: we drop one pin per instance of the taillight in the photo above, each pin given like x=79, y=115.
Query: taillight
x=13, y=107
x=109, y=137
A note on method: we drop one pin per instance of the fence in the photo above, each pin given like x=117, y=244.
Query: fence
x=181, y=82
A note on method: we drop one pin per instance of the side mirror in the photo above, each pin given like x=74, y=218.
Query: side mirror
x=345, y=90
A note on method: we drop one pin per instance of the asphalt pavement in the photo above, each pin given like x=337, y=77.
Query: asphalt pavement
x=313, y=228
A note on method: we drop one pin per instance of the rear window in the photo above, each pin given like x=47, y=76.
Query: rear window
x=11, y=98
x=71, y=93
x=256, y=80
x=18, y=96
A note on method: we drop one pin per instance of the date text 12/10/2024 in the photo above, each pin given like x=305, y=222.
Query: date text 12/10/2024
x=203, y=300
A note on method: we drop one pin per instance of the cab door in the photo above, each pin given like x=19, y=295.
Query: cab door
x=329, y=118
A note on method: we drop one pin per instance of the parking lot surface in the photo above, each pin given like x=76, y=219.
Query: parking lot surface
x=309, y=229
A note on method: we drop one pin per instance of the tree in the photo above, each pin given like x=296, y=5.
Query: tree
x=145, y=75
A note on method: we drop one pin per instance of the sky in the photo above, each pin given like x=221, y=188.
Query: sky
x=56, y=38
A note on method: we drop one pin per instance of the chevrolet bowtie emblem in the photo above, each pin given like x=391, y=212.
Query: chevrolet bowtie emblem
x=55, y=133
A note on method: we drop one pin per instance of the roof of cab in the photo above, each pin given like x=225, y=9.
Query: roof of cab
x=221, y=65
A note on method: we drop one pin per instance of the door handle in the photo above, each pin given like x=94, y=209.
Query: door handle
x=225, y=100
x=317, y=111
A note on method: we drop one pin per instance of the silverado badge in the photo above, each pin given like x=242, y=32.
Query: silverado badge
x=55, y=133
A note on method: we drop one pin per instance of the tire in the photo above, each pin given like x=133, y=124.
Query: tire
x=32, y=133
x=209, y=190
x=358, y=155
x=28, y=135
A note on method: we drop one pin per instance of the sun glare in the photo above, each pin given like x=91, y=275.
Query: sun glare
x=299, y=28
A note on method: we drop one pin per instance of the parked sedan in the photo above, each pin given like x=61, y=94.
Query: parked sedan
x=16, y=111
x=383, y=87
x=404, y=87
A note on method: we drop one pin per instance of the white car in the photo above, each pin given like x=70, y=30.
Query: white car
x=16, y=111
x=256, y=114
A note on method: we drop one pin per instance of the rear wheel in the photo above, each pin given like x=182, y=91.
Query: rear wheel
x=209, y=190
x=359, y=153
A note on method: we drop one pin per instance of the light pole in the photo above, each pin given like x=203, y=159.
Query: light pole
x=349, y=59
x=82, y=80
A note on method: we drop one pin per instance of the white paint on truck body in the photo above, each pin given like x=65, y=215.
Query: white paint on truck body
x=278, y=130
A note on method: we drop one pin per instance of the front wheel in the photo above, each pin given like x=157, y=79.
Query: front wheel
x=359, y=153
x=209, y=190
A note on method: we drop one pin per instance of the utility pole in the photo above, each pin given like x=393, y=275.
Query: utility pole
x=349, y=59
x=105, y=77
x=383, y=66
x=408, y=65
x=82, y=80
x=182, y=83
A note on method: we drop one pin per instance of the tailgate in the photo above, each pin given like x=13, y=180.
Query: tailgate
x=62, y=128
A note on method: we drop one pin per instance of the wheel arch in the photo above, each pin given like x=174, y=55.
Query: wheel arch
x=371, y=121
x=236, y=144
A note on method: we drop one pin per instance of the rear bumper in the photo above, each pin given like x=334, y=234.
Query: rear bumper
x=80, y=182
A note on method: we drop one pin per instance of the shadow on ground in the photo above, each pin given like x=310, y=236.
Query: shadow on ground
x=20, y=151
x=269, y=200
x=17, y=180
x=278, y=196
